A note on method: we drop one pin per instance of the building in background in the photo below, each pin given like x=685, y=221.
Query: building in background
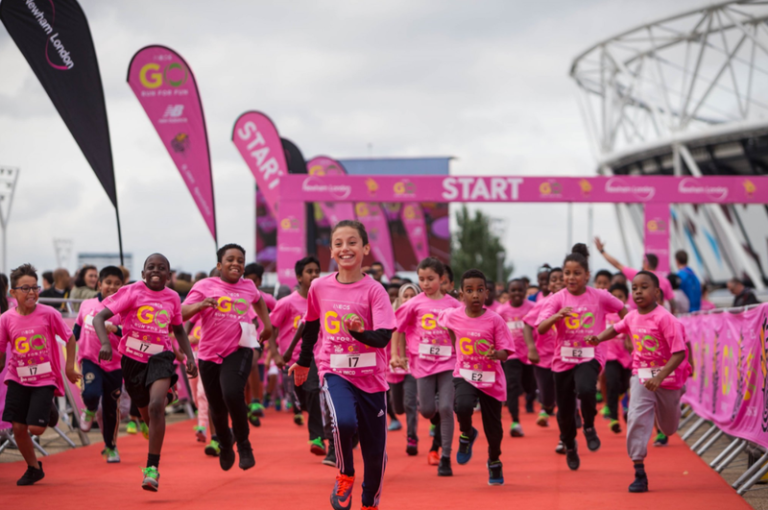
x=101, y=260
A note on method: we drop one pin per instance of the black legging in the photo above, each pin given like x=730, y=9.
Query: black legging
x=581, y=382
x=616, y=382
x=224, y=386
x=490, y=411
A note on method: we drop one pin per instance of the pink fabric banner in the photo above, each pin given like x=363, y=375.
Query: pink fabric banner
x=166, y=88
x=292, y=228
x=730, y=381
x=657, y=234
x=371, y=215
x=256, y=137
x=412, y=217
x=334, y=212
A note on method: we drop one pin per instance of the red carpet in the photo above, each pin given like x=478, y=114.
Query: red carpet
x=287, y=476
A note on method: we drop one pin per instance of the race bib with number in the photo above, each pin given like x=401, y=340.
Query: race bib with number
x=513, y=325
x=477, y=376
x=248, y=337
x=576, y=354
x=355, y=360
x=89, y=321
x=146, y=347
x=438, y=351
x=644, y=374
x=33, y=370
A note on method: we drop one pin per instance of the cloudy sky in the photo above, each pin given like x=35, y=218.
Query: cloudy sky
x=486, y=82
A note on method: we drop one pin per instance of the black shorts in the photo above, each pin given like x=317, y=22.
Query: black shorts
x=139, y=376
x=27, y=404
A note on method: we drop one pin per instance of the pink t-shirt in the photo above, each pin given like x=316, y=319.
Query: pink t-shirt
x=286, y=317
x=494, y=306
x=545, y=344
x=587, y=318
x=514, y=318
x=664, y=285
x=655, y=337
x=35, y=358
x=89, y=344
x=428, y=344
x=615, y=349
x=146, y=316
x=707, y=305
x=474, y=336
x=221, y=327
x=331, y=302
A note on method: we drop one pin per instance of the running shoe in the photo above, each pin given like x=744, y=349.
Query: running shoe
x=31, y=475
x=317, y=446
x=640, y=484
x=246, y=458
x=543, y=419
x=495, y=475
x=330, y=458
x=267, y=400
x=615, y=426
x=341, y=497
x=144, y=430
x=278, y=404
x=200, y=434
x=433, y=458
x=394, y=425
x=572, y=458
x=432, y=430
x=465, y=447
x=444, y=468
x=86, y=420
x=213, y=449
x=515, y=430
x=605, y=413
x=151, y=479
x=111, y=455
x=131, y=428
x=599, y=397
x=412, y=446
x=257, y=409
x=298, y=419
x=593, y=442
x=560, y=448
x=661, y=440
x=226, y=457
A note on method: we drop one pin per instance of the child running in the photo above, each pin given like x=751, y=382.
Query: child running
x=224, y=353
x=255, y=273
x=103, y=380
x=618, y=363
x=577, y=311
x=432, y=358
x=513, y=313
x=484, y=341
x=350, y=315
x=34, y=376
x=403, y=386
x=147, y=309
x=286, y=320
x=657, y=383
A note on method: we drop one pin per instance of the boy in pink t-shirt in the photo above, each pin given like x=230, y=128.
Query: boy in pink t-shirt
x=482, y=341
x=513, y=313
x=34, y=366
x=103, y=380
x=148, y=311
x=225, y=352
x=657, y=378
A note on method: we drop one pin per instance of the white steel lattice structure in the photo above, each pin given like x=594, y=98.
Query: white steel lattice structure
x=687, y=95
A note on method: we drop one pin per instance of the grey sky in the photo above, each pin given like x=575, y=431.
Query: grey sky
x=485, y=82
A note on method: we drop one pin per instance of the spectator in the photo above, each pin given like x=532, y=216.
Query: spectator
x=706, y=304
x=85, y=285
x=183, y=284
x=47, y=280
x=201, y=275
x=744, y=295
x=396, y=279
x=59, y=289
x=377, y=271
x=682, y=305
x=603, y=279
x=689, y=282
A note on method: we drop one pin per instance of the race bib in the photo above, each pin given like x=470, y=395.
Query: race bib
x=438, y=351
x=477, y=376
x=138, y=345
x=248, y=337
x=576, y=354
x=645, y=374
x=513, y=325
x=34, y=370
x=89, y=321
x=355, y=360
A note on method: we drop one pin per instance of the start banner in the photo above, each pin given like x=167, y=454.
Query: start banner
x=729, y=385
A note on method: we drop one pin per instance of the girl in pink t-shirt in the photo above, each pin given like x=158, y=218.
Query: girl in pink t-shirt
x=430, y=356
x=34, y=376
x=350, y=315
x=147, y=309
x=226, y=346
x=541, y=349
x=513, y=313
x=657, y=376
x=577, y=311
x=618, y=363
x=482, y=341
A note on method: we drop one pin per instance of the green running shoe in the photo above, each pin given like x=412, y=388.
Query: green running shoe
x=317, y=446
x=151, y=479
x=213, y=449
x=131, y=428
x=111, y=455
x=144, y=430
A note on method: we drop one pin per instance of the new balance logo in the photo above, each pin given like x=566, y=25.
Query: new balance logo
x=174, y=110
x=381, y=413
